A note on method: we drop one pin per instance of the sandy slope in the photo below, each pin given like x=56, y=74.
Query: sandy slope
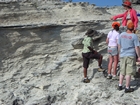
x=39, y=66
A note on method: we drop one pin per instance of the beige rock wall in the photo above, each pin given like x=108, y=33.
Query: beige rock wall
x=38, y=64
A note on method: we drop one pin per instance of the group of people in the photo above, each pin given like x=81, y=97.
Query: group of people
x=122, y=46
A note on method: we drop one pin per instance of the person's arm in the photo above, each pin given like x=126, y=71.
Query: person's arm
x=108, y=36
x=137, y=51
x=117, y=16
x=137, y=44
x=107, y=40
x=134, y=13
x=119, y=48
x=91, y=49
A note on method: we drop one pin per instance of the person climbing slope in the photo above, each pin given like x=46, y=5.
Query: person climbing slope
x=88, y=53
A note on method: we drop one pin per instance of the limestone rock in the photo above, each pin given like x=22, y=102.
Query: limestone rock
x=40, y=54
x=77, y=44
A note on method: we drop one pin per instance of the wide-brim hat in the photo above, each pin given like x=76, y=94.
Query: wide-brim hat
x=126, y=3
x=90, y=32
x=116, y=24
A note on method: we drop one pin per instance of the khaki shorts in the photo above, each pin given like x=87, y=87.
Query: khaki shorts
x=128, y=65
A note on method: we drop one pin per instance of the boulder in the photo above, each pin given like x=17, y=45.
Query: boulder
x=77, y=43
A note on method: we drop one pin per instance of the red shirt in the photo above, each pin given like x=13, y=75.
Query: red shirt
x=133, y=15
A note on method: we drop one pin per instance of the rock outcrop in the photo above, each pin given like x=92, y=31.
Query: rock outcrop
x=77, y=43
x=39, y=65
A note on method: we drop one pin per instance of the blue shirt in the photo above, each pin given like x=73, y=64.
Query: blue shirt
x=128, y=42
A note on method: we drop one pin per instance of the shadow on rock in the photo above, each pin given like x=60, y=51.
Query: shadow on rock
x=136, y=81
x=94, y=72
x=18, y=102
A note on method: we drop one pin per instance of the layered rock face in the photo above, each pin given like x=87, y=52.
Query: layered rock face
x=40, y=55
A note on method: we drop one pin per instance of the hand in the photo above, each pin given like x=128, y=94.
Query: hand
x=135, y=30
x=138, y=60
x=95, y=52
x=111, y=18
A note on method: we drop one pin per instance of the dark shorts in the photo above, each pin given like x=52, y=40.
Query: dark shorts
x=88, y=56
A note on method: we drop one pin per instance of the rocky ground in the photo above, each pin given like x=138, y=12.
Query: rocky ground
x=40, y=55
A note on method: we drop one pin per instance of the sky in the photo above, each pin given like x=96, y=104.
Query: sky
x=102, y=2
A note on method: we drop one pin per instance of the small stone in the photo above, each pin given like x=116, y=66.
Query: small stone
x=46, y=56
x=42, y=87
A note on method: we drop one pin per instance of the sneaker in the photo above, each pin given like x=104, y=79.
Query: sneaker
x=115, y=78
x=120, y=88
x=128, y=90
x=109, y=77
x=100, y=69
x=86, y=80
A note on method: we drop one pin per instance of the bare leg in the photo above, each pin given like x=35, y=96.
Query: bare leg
x=100, y=61
x=128, y=78
x=85, y=72
x=115, y=64
x=86, y=80
x=110, y=64
x=121, y=79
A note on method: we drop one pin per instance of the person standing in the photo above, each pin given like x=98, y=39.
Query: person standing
x=128, y=45
x=130, y=15
x=88, y=53
x=111, y=40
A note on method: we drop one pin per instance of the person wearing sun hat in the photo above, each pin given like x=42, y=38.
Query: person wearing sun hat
x=130, y=15
x=128, y=46
x=111, y=40
x=88, y=53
